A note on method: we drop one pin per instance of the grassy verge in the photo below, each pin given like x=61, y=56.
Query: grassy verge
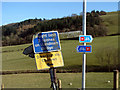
x=42, y=80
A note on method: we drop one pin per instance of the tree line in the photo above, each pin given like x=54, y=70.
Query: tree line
x=22, y=32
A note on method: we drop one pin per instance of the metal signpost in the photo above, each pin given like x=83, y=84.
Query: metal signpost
x=47, y=48
x=84, y=55
x=84, y=48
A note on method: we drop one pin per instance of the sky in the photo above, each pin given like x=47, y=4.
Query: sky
x=13, y=12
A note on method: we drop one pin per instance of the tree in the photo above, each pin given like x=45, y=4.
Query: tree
x=44, y=19
x=90, y=31
x=107, y=56
x=103, y=13
x=98, y=12
x=115, y=57
x=74, y=15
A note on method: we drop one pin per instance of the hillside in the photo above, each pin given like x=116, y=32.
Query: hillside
x=111, y=22
x=98, y=42
x=14, y=59
x=22, y=32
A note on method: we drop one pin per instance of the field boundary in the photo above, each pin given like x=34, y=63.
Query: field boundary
x=43, y=71
x=36, y=71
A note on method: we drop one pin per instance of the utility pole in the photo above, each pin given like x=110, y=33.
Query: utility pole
x=84, y=54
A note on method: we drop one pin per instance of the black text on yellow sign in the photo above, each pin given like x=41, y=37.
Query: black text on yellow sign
x=50, y=59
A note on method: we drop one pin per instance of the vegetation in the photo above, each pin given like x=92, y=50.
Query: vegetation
x=108, y=56
x=102, y=58
x=21, y=33
x=13, y=58
x=111, y=22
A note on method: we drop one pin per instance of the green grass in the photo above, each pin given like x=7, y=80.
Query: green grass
x=42, y=80
x=17, y=61
x=111, y=21
x=15, y=47
x=13, y=59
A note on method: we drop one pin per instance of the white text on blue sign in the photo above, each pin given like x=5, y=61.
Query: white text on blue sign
x=84, y=49
x=46, y=42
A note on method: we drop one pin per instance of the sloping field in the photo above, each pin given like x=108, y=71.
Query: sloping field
x=111, y=21
x=13, y=59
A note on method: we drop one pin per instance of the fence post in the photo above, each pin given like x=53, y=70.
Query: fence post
x=59, y=84
x=2, y=86
x=116, y=80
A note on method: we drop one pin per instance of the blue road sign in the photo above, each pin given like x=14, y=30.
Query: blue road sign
x=85, y=38
x=46, y=42
x=84, y=48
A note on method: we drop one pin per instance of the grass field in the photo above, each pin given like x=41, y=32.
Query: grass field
x=15, y=60
x=42, y=80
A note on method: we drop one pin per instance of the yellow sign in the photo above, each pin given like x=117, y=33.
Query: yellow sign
x=49, y=59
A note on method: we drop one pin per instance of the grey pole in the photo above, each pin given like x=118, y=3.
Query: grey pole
x=53, y=85
x=84, y=54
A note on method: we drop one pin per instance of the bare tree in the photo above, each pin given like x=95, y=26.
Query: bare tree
x=107, y=56
x=115, y=58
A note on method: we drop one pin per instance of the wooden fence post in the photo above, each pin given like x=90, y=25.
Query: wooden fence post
x=59, y=84
x=2, y=86
x=116, y=80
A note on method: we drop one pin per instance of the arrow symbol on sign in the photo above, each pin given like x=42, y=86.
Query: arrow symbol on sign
x=84, y=49
x=85, y=38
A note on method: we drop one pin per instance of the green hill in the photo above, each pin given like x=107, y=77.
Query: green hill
x=22, y=32
x=13, y=59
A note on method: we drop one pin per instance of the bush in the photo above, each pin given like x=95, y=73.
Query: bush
x=108, y=57
x=103, y=13
x=97, y=30
x=24, y=30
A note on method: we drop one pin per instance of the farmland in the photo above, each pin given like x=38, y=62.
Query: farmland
x=13, y=59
